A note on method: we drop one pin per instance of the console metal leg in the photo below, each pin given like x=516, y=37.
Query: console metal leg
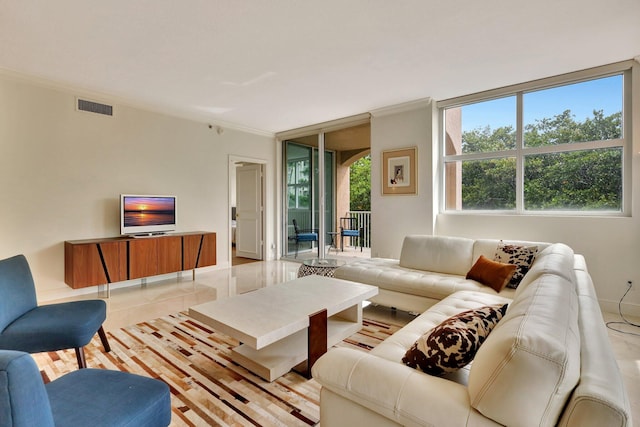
x=104, y=290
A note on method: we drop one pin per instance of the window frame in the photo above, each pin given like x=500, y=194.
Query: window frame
x=625, y=68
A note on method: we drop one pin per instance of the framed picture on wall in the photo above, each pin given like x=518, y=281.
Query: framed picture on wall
x=399, y=172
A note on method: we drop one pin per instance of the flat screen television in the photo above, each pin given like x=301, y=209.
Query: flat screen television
x=147, y=214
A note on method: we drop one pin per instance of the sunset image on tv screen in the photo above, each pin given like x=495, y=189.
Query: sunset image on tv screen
x=143, y=211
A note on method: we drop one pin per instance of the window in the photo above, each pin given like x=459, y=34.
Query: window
x=556, y=145
x=298, y=184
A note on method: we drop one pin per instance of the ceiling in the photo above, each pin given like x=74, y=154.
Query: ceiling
x=270, y=66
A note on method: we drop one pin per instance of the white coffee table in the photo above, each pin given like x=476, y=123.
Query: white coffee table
x=283, y=325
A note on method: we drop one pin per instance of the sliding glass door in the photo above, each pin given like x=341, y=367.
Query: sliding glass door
x=329, y=187
x=303, y=174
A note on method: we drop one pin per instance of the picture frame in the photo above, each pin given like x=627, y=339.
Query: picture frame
x=399, y=171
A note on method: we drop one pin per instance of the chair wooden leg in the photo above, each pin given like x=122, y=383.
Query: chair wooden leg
x=82, y=363
x=103, y=338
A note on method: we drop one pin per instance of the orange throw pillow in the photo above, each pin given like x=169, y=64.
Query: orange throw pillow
x=492, y=273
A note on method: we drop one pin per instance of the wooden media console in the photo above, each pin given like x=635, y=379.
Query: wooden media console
x=96, y=262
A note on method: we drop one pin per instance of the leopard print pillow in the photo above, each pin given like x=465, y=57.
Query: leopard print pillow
x=521, y=256
x=453, y=343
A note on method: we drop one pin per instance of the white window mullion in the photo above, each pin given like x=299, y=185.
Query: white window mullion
x=519, y=154
x=321, y=195
x=627, y=178
x=574, y=146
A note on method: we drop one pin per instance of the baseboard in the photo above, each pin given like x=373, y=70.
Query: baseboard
x=628, y=309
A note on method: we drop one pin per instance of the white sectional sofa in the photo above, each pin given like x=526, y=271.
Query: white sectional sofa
x=547, y=362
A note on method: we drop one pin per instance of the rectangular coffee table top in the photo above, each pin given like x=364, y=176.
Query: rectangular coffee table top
x=266, y=315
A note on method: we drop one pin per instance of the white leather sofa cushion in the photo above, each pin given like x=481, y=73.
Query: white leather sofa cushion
x=440, y=254
x=527, y=368
x=387, y=274
x=403, y=395
x=394, y=347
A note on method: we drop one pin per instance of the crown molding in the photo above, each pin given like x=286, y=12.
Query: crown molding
x=95, y=95
x=328, y=126
x=402, y=108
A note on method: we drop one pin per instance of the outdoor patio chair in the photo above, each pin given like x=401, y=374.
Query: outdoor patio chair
x=304, y=236
x=349, y=228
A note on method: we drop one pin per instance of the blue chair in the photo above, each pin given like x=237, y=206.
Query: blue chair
x=25, y=326
x=86, y=397
x=304, y=236
x=349, y=228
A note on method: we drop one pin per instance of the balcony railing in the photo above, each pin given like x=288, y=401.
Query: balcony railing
x=363, y=219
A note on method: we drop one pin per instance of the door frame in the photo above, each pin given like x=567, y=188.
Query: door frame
x=233, y=159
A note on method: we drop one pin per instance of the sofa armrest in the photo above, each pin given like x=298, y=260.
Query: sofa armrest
x=393, y=390
x=600, y=399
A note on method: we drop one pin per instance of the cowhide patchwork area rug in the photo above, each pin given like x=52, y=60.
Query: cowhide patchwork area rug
x=207, y=389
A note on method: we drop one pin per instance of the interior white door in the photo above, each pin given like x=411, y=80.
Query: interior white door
x=249, y=209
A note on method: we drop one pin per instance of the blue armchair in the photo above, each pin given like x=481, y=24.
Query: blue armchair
x=86, y=397
x=25, y=326
x=304, y=236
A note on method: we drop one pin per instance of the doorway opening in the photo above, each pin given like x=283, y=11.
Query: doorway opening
x=246, y=210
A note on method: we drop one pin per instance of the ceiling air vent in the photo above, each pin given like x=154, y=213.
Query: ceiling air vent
x=95, y=107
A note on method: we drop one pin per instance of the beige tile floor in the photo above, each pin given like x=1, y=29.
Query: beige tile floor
x=134, y=304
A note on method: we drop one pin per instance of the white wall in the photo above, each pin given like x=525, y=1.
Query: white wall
x=394, y=216
x=62, y=171
x=611, y=245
